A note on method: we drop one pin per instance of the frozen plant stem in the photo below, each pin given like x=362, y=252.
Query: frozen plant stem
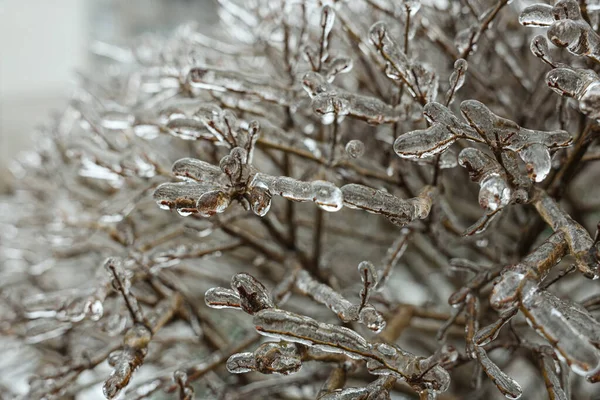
x=388, y=190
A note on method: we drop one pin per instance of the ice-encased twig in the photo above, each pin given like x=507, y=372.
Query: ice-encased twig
x=445, y=129
x=583, y=85
x=344, y=309
x=324, y=194
x=581, y=245
x=566, y=27
x=135, y=346
x=329, y=100
x=399, y=211
x=269, y=358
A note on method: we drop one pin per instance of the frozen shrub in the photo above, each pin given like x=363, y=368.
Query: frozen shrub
x=191, y=225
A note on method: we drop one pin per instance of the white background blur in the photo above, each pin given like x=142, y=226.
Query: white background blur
x=43, y=43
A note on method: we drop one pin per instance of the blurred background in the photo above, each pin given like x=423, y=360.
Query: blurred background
x=43, y=43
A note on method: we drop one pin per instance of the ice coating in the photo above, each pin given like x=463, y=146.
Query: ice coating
x=535, y=266
x=222, y=81
x=222, y=298
x=399, y=211
x=537, y=15
x=502, y=132
x=551, y=369
x=192, y=169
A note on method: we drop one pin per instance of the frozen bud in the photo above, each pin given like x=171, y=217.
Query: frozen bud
x=412, y=6
x=222, y=298
x=277, y=358
x=566, y=9
x=539, y=48
x=327, y=196
x=213, y=202
x=138, y=336
x=259, y=198
x=253, y=295
x=399, y=211
x=570, y=82
x=494, y=192
x=570, y=30
x=537, y=15
x=231, y=167
x=537, y=161
x=355, y=148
